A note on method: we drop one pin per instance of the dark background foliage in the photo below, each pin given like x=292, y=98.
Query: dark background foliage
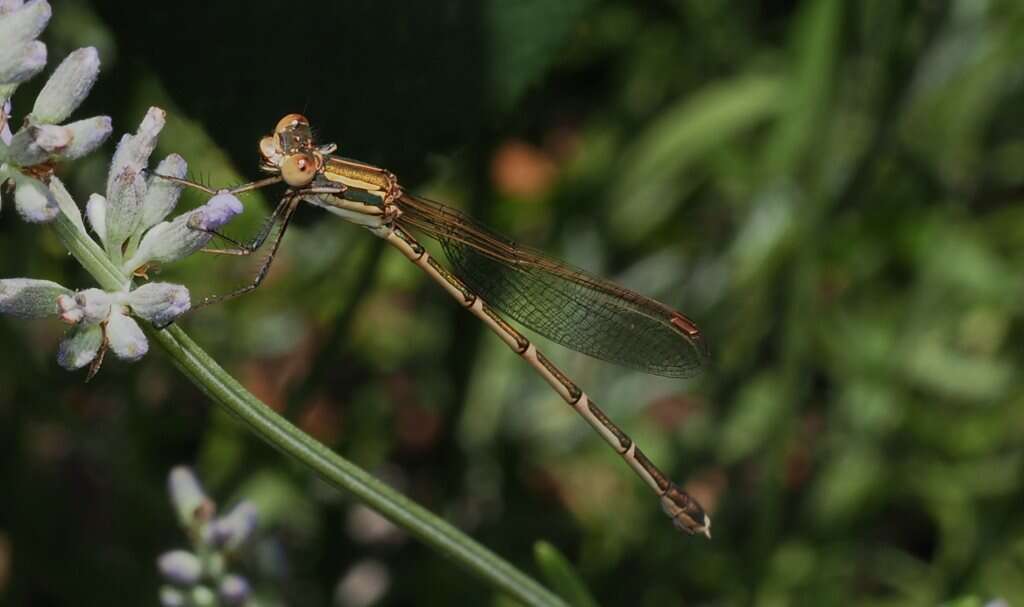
x=829, y=189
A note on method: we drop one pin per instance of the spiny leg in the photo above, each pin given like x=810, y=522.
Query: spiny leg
x=257, y=241
x=289, y=204
x=245, y=187
x=247, y=248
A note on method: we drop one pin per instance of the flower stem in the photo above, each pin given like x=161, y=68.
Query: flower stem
x=221, y=387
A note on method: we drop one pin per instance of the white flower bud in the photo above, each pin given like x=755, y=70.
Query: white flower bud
x=29, y=298
x=22, y=63
x=162, y=194
x=125, y=336
x=33, y=201
x=69, y=310
x=234, y=590
x=87, y=135
x=133, y=151
x=124, y=207
x=91, y=306
x=96, y=213
x=180, y=567
x=37, y=143
x=80, y=346
x=67, y=87
x=190, y=502
x=25, y=23
x=158, y=302
x=5, y=125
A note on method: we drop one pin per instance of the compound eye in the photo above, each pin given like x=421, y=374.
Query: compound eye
x=269, y=150
x=290, y=121
x=298, y=170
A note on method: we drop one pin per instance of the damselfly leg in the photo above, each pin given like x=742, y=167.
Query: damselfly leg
x=238, y=247
x=289, y=204
x=252, y=245
x=280, y=218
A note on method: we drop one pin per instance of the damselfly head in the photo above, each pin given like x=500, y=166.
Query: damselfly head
x=290, y=150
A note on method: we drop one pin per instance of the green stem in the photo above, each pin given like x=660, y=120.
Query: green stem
x=218, y=384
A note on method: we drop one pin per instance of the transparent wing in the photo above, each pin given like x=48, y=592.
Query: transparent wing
x=565, y=304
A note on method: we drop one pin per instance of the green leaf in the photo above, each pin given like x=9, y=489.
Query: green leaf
x=524, y=38
x=809, y=87
x=847, y=483
x=648, y=184
x=759, y=410
x=561, y=575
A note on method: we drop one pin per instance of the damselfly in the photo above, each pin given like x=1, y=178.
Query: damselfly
x=493, y=278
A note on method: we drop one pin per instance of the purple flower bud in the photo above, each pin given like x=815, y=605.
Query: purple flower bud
x=234, y=590
x=234, y=528
x=180, y=567
x=217, y=211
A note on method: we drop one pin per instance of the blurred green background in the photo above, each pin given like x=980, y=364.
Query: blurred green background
x=830, y=190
